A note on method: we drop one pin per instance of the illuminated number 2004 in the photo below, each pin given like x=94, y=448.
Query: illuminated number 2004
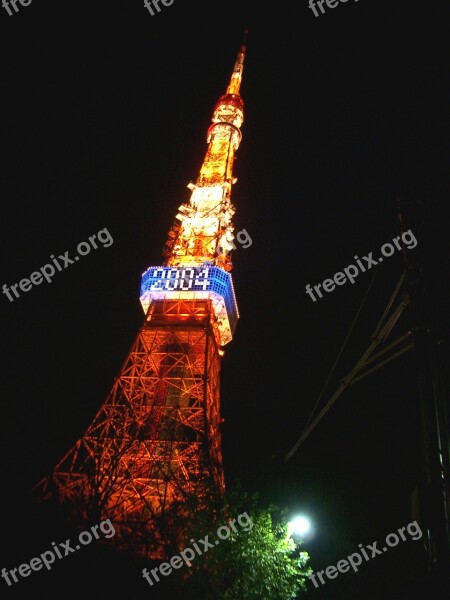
x=176, y=279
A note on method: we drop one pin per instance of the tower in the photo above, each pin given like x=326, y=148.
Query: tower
x=154, y=444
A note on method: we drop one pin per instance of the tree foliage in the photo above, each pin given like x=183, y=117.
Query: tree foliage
x=253, y=563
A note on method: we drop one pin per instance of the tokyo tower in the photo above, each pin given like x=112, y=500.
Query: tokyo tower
x=155, y=443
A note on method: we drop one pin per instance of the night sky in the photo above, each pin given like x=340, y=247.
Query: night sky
x=103, y=125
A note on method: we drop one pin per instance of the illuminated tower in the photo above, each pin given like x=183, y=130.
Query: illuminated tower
x=155, y=442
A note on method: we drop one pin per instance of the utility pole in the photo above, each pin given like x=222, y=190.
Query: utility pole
x=431, y=497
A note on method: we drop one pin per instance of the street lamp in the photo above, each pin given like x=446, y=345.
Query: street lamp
x=299, y=526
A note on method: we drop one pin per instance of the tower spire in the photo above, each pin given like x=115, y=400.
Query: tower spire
x=236, y=77
x=203, y=230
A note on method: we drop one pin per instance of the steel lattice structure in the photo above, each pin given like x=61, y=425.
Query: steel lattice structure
x=155, y=442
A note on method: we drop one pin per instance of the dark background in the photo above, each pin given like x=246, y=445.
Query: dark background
x=104, y=117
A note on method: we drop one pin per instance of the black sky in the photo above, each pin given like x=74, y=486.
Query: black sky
x=105, y=112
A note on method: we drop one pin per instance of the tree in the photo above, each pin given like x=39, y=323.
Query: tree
x=258, y=559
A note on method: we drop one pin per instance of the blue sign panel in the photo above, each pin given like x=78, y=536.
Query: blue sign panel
x=159, y=282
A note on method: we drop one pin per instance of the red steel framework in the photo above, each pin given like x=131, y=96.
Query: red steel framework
x=155, y=443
